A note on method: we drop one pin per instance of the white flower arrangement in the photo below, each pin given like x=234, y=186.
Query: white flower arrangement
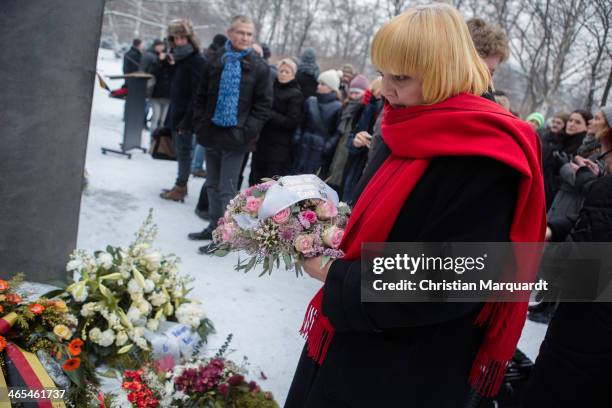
x=119, y=292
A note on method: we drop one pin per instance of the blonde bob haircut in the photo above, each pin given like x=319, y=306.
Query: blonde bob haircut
x=432, y=44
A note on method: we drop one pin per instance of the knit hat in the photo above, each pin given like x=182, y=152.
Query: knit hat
x=607, y=112
x=309, y=55
x=358, y=84
x=331, y=79
x=288, y=62
x=538, y=118
x=183, y=28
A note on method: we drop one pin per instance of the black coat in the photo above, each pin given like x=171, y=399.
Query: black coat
x=186, y=74
x=316, y=137
x=131, y=61
x=162, y=71
x=573, y=366
x=274, y=142
x=308, y=83
x=254, y=106
x=417, y=355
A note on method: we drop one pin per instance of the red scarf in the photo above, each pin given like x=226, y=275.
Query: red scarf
x=464, y=125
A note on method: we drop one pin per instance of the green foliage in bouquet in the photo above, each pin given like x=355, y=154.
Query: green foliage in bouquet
x=46, y=328
x=119, y=293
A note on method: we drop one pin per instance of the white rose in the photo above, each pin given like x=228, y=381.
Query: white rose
x=153, y=259
x=121, y=338
x=74, y=265
x=88, y=309
x=145, y=308
x=125, y=271
x=137, y=297
x=105, y=260
x=133, y=313
x=95, y=334
x=157, y=299
x=189, y=314
x=134, y=287
x=107, y=338
x=149, y=286
x=152, y=324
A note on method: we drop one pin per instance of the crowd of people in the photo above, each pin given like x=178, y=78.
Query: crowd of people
x=228, y=102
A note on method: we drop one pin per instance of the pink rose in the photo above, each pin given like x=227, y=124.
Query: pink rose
x=228, y=231
x=304, y=243
x=326, y=210
x=252, y=204
x=332, y=236
x=249, y=191
x=282, y=216
x=309, y=216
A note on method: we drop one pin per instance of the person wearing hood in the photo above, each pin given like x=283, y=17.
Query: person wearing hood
x=187, y=66
x=272, y=156
x=308, y=73
x=347, y=73
x=351, y=110
x=319, y=124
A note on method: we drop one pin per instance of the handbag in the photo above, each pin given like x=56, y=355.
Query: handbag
x=163, y=148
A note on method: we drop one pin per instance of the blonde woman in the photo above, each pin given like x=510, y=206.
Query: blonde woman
x=458, y=167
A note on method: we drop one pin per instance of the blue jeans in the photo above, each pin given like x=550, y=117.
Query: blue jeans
x=198, y=156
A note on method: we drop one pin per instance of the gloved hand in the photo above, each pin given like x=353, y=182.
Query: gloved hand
x=561, y=157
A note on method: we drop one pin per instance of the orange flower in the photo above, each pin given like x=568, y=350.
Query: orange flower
x=2, y=343
x=36, y=308
x=71, y=364
x=3, y=285
x=75, y=347
x=1, y=309
x=13, y=298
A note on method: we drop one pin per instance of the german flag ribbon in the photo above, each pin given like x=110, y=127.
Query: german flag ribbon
x=24, y=370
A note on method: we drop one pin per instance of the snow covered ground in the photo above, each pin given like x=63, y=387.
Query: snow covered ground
x=263, y=314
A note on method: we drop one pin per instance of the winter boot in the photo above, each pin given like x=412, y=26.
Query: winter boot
x=177, y=193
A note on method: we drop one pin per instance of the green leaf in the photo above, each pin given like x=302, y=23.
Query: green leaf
x=287, y=260
x=125, y=349
x=220, y=252
x=251, y=264
x=53, y=293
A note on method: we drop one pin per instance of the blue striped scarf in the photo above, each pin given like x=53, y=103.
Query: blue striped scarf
x=226, y=111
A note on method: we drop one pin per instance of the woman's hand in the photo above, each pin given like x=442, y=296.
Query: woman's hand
x=362, y=139
x=548, y=236
x=313, y=267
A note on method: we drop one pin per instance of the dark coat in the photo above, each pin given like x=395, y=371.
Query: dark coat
x=254, y=106
x=358, y=157
x=349, y=115
x=186, y=74
x=568, y=201
x=316, y=133
x=551, y=143
x=417, y=355
x=162, y=71
x=308, y=83
x=573, y=366
x=274, y=144
x=131, y=61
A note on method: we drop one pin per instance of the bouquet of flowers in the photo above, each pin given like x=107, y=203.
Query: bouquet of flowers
x=42, y=334
x=123, y=294
x=292, y=218
x=203, y=382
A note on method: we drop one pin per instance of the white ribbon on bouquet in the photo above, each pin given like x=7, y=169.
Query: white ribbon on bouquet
x=289, y=190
